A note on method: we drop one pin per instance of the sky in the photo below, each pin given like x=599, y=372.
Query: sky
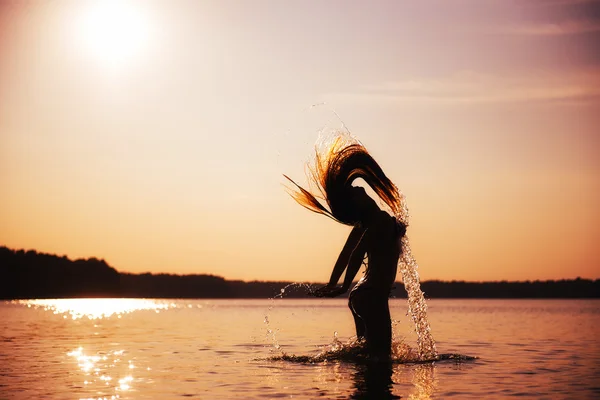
x=154, y=134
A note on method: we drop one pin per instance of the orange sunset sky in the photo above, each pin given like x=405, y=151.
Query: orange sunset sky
x=154, y=134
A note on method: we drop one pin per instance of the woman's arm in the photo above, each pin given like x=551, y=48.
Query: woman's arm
x=351, y=256
x=351, y=243
x=356, y=259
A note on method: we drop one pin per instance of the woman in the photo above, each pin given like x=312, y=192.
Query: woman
x=375, y=234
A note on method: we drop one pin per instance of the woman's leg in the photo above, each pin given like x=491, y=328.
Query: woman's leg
x=358, y=321
x=372, y=309
x=379, y=329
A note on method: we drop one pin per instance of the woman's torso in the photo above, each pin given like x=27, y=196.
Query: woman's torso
x=383, y=251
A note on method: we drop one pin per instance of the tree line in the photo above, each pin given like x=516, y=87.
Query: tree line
x=29, y=274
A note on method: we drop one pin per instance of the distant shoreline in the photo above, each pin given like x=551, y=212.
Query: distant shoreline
x=32, y=275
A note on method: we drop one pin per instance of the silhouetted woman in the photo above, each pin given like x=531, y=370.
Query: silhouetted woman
x=376, y=235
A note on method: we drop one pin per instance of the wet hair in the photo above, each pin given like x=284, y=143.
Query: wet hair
x=335, y=169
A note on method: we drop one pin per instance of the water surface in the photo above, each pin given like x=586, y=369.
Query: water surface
x=147, y=349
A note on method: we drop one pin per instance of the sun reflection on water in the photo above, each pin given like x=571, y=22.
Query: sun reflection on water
x=105, y=374
x=102, y=370
x=96, y=308
x=424, y=382
x=97, y=370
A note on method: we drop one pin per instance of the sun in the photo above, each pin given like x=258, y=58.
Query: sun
x=114, y=33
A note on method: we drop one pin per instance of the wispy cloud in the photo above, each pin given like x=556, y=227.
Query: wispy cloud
x=551, y=3
x=471, y=87
x=573, y=27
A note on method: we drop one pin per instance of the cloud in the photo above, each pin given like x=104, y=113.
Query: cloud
x=471, y=87
x=572, y=27
x=551, y=3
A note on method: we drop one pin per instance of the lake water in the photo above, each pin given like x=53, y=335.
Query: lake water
x=223, y=349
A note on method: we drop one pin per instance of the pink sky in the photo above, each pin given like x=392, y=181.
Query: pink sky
x=155, y=134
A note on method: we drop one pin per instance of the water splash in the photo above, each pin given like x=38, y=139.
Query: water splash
x=417, y=307
x=352, y=351
x=355, y=351
x=271, y=333
x=299, y=285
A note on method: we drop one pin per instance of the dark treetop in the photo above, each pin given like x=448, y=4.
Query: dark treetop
x=29, y=275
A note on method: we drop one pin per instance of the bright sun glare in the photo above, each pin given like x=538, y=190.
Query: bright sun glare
x=113, y=32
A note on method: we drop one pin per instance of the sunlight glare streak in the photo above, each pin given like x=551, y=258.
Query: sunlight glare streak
x=95, y=308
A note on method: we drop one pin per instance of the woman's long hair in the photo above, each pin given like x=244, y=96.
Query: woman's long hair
x=337, y=164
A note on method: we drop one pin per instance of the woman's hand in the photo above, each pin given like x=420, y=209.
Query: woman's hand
x=329, y=291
